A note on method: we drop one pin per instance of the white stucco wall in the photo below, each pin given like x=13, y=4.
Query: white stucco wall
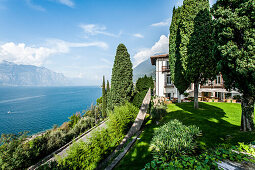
x=161, y=78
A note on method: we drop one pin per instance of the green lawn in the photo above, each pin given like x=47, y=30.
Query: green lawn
x=219, y=122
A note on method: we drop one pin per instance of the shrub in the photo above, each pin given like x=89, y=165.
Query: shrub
x=138, y=99
x=157, y=112
x=74, y=119
x=121, y=119
x=86, y=155
x=173, y=139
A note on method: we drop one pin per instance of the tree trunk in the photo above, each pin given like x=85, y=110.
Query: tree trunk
x=247, y=118
x=196, y=106
x=179, y=96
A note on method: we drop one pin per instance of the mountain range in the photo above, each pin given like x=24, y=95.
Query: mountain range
x=12, y=74
x=144, y=68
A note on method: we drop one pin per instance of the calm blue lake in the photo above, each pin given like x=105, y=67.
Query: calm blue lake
x=36, y=109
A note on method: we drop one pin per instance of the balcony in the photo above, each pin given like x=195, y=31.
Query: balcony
x=165, y=69
x=221, y=85
x=167, y=85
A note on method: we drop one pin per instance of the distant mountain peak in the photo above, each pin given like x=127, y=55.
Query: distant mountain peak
x=144, y=68
x=12, y=74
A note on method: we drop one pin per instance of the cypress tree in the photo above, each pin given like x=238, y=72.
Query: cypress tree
x=172, y=40
x=187, y=48
x=108, y=93
x=201, y=64
x=234, y=24
x=103, y=99
x=107, y=87
x=122, y=77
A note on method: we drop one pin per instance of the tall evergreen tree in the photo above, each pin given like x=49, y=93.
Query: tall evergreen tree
x=185, y=36
x=175, y=63
x=122, y=77
x=201, y=64
x=107, y=87
x=103, y=99
x=108, y=93
x=234, y=23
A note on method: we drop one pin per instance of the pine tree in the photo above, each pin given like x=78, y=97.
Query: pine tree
x=103, y=99
x=122, y=77
x=234, y=24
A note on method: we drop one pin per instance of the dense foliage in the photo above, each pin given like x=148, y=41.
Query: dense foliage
x=191, y=46
x=201, y=64
x=122, y=77
x=144, y=83
x=157, y=112
x=141, y=88
x=175, y=62
x=87, y=155
x=206, y=160
x=234, y=23
x=173, y=139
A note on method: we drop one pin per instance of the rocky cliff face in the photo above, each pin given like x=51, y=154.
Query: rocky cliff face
x=12, y=74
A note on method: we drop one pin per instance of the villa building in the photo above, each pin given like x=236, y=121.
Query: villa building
x=165, y=88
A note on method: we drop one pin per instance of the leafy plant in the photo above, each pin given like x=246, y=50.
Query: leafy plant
x=74, y=119
x=173, y=139
x=157, y=112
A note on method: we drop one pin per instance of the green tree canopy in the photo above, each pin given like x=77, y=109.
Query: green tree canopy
x=144, y=83
x=122, y=77
x=234, y=23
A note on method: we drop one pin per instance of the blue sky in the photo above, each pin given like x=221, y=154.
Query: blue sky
x=79, y=37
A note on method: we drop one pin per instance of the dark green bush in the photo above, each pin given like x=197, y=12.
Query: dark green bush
x=173, y=139
x=138, y=98
x=144, y=83
x=157, y=112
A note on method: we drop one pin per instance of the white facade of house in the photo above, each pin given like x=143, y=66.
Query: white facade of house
x=163, y=85
x=165, y=88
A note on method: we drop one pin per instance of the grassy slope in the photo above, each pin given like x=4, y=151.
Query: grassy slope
x=219, y=122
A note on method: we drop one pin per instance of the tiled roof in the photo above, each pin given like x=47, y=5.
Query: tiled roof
x=153, y=58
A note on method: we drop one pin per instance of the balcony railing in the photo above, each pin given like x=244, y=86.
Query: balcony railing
x=165, y=69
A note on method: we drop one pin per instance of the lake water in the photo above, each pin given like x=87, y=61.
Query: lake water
x=36, y=109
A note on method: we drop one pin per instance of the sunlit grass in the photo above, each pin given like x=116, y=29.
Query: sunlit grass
x=219, y=122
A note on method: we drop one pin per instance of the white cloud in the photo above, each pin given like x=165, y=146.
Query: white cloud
x=159, y=47
x=92, y=29
x=166, y=22
x=23, y=54
x=138, y=35
x=67, y=2
x=34, y=6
